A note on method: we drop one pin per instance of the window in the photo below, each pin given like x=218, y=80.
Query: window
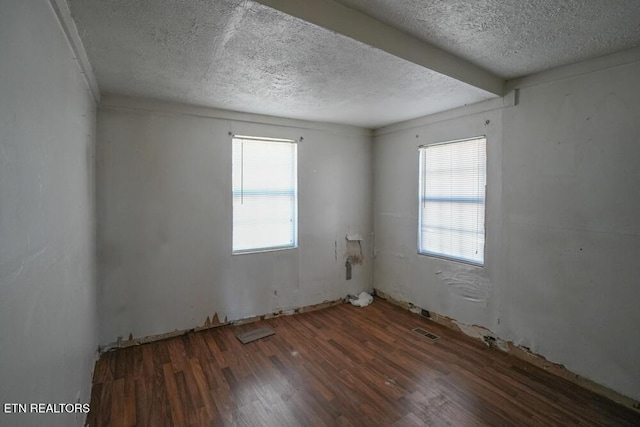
x=452, y=197
x=265, y=194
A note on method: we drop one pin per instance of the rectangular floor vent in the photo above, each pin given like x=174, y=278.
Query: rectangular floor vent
x=432, y=337
x=255, y=334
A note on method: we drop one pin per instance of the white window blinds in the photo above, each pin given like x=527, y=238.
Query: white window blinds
x=452, y=200
x=265, y=196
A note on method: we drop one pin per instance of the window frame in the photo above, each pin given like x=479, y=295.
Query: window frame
x=294, y=244
x=421, y=195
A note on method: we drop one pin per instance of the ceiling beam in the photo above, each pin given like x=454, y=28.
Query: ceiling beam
x=348, y=22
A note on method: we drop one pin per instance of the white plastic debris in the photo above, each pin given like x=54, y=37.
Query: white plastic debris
x=363, y=300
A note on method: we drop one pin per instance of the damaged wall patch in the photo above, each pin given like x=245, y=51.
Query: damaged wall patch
x=354, y=248
x=467, y=285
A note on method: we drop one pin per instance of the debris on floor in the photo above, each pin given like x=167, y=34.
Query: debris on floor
x=361, y=300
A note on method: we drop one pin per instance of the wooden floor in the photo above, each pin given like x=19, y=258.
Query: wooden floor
x=339, y=366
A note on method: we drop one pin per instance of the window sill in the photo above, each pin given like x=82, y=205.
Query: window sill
x=451, y=259
x=260, y=251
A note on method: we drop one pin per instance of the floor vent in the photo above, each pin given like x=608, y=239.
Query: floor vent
x=432, y=337
x=255, y=334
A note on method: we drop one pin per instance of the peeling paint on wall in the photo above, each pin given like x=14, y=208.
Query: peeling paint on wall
x=519, y=351
x=483, y=334
x=214, y=321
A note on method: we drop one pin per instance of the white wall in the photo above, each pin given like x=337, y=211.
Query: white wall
x=48, y=316
x=165, y=215
x=561, y=273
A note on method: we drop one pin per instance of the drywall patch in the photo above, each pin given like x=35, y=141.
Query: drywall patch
x=469, y=286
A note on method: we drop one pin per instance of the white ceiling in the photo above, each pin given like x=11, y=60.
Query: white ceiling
x=514, y=38
x=244, y=56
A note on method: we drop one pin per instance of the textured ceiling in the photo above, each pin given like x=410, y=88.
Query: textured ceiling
x=514, y=38
x=243, y=56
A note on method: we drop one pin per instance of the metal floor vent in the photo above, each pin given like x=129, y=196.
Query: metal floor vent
x=432, y=337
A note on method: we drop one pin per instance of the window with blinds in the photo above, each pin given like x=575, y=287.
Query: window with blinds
x=265, y=194
x=453, y=178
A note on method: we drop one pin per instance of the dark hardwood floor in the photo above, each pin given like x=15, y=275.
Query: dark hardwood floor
x=339, y=366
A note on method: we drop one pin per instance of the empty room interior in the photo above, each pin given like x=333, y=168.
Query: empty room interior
x=319, y=212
